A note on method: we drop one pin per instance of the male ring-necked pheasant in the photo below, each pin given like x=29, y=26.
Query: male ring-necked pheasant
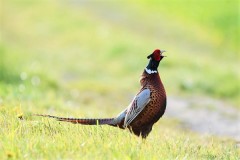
x=145, y=109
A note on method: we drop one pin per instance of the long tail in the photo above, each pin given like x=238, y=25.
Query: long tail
x=84, y=121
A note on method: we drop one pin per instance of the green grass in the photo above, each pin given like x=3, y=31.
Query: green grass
x=37, y=138
x=84, y=60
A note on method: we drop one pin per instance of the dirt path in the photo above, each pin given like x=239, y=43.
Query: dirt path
x=205, y=116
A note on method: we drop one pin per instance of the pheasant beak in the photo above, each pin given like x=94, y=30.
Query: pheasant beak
x=162, y=57
x=162, y=53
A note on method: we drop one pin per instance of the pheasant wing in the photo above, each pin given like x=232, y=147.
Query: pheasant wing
x=136, y=106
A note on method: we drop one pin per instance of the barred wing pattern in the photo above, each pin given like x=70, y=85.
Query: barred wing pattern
x=136, y=106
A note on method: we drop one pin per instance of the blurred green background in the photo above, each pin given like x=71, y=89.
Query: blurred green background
x=66, y=54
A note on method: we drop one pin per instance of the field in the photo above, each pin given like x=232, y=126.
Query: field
x=84, y=59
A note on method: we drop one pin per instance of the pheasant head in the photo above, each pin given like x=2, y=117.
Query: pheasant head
x=154, y=60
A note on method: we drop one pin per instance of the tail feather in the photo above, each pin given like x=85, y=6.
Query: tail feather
x=84, y=121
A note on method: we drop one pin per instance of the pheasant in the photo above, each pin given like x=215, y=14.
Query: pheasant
x=146, y=108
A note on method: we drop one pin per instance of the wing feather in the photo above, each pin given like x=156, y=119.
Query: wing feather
x=136, y=106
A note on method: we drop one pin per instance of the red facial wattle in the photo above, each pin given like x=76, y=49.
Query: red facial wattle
x=157, y=55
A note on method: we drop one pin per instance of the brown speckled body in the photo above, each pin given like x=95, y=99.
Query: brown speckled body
x=142, y=124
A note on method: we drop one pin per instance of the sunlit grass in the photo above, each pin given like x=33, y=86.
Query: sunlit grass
x=37, y=138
